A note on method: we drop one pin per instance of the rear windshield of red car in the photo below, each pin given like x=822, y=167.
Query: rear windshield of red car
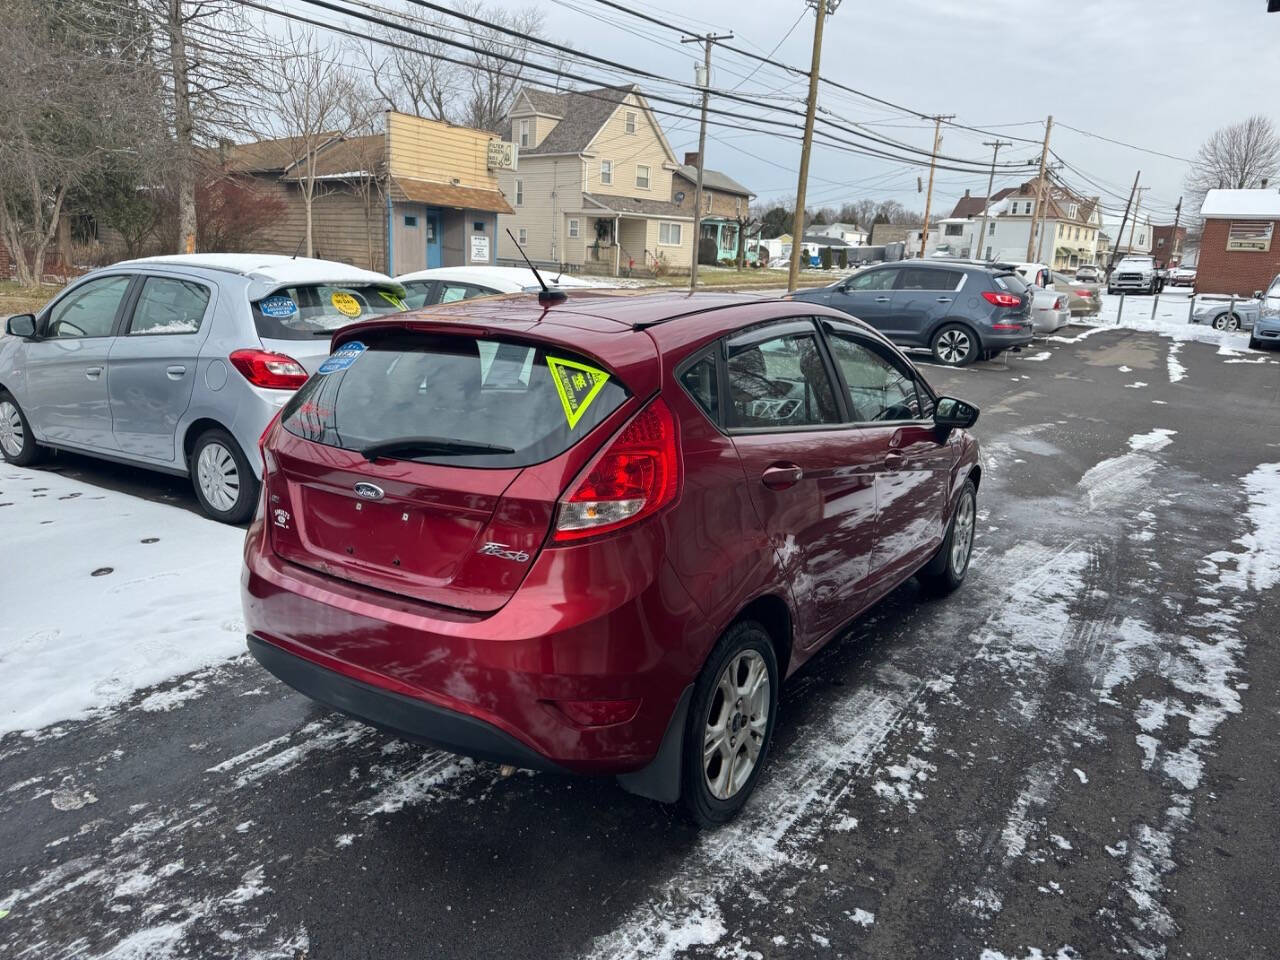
x=311, y=310
x=454, y=400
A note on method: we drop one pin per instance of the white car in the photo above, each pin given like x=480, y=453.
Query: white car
x=424, y=288
x=1050, y=310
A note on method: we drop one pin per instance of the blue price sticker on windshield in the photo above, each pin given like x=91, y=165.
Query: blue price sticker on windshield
x=343, y=357
x=278, y=306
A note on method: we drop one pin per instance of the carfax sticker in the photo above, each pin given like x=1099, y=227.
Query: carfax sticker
x=343, y=357
x=277, y=306
x=345, y=303
x=577, y=384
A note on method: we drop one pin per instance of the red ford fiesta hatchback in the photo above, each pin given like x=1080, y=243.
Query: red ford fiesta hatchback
x=596, y=535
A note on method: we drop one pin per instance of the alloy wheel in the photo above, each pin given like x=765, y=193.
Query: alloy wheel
x=962, y=535
x=953, y=346
x=12, y=435
x=218, y=476
x=736, y=724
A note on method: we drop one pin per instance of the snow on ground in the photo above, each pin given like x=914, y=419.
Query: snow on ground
x=119, y=594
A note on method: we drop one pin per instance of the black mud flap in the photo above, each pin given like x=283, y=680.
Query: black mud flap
x=660, y=780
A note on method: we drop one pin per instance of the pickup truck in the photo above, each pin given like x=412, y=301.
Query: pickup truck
x=1135, y=275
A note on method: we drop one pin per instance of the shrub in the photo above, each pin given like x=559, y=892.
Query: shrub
x=824, y=255
x=707, y=250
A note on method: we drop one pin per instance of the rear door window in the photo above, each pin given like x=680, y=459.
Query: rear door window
x=316, y=310
x=168, y=306
x=779, y=382
x=455, y=400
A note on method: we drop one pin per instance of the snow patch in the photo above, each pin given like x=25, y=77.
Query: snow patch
x=1176, y=370
x=1157, y=439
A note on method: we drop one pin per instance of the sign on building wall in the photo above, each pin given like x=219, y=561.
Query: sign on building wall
x=503, y=155
x=479, y=248
x=1250, y=236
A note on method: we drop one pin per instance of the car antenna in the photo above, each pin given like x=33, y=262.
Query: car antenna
x=298, y=249
x=548, y=294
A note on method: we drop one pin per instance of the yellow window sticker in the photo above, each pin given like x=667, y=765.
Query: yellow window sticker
x=345, y=303
x=392, y=299
x=577, y=385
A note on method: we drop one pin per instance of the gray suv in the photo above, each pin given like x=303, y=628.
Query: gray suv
x=178, y=364
x=959, y=309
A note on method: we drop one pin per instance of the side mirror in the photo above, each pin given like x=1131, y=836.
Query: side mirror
x=21, y=325
x=953, y=414
x=1257, y=294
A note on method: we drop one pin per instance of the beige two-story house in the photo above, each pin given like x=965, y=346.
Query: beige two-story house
x=592, y=189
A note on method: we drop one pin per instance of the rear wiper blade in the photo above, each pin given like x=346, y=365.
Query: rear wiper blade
x=435, y=446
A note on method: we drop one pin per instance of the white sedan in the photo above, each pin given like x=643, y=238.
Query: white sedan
x=424, y=288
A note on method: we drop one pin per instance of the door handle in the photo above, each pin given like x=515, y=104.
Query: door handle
x=893, y=460
x=944, y=299
x=92, y=373
x=882, y=299
x=176, y=372
x=780, y=476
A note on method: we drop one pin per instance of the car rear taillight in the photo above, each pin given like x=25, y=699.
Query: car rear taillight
x=1002, y=299
x=1084, y=293
x=275, y=371
x=1057, y=304
x=637, y=475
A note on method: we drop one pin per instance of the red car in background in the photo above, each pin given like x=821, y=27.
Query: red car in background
x=596, y=535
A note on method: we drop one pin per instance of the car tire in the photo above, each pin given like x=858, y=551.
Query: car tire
x=1226, y=321
x=17, y=442
x=955, y=345
x=222, y=477
x=945, y=571
x=1254, y=343
x=742, y=657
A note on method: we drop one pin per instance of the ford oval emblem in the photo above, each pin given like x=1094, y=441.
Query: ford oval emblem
x=369, y=491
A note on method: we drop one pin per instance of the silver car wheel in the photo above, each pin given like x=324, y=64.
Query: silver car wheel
x=12, y=437
x=218, y=476
x=952, y=346
x=962, y=535
x=736, y=724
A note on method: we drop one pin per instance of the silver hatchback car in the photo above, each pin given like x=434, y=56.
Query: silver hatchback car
x=178, y=363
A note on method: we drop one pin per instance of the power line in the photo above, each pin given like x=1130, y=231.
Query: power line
x=1121, y=143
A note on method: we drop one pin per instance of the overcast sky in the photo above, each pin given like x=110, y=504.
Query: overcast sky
x=1162, y=75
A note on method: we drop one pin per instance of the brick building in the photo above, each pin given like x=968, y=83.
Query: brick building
x=1167, y=245
x=1239, y=249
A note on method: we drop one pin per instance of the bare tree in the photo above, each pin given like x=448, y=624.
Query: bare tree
x=308, y=102
x=493, y=79
x=1236, y=156
x=211, y=83
x=419, y=81
x=76, y=99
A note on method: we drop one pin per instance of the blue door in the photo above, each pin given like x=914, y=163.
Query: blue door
x=433, y=239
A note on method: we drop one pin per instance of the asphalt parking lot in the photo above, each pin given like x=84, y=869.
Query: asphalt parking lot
x=1074, y=756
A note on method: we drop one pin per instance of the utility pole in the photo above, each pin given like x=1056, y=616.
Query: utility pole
x=1037, y=222
x=822, y=8
x=702, y=80
x=1044, y=159
x=995, y=146
x=1115, y=247
x=928, y=197
x=1136, y=207
x=1173, y=240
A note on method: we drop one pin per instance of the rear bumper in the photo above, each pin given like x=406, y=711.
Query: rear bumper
x=1004, y=339
x=497, y=686
x=403, y=716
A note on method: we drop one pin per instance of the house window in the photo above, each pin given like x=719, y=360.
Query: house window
x=631, y=122
x=955, y=230
x=524, y=133
x=706, y=203
x=669, y=234
x=410, y=221
x=519, y=193
x=573, y=228
x=523, y=235
x=991, y=229
x=642, y=176
x=606, y=172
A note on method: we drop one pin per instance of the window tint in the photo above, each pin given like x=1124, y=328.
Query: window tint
x=701, y=382
x=316, y=310
x=89, y=310
x=1011, y=282
x=168, y=305
x=454, y=394
x=780, y=383
x=922, y=278
x=878, y=390
x=873, y=280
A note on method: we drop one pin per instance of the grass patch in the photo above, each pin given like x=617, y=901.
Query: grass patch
x=727, y=278
x=19, y=299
